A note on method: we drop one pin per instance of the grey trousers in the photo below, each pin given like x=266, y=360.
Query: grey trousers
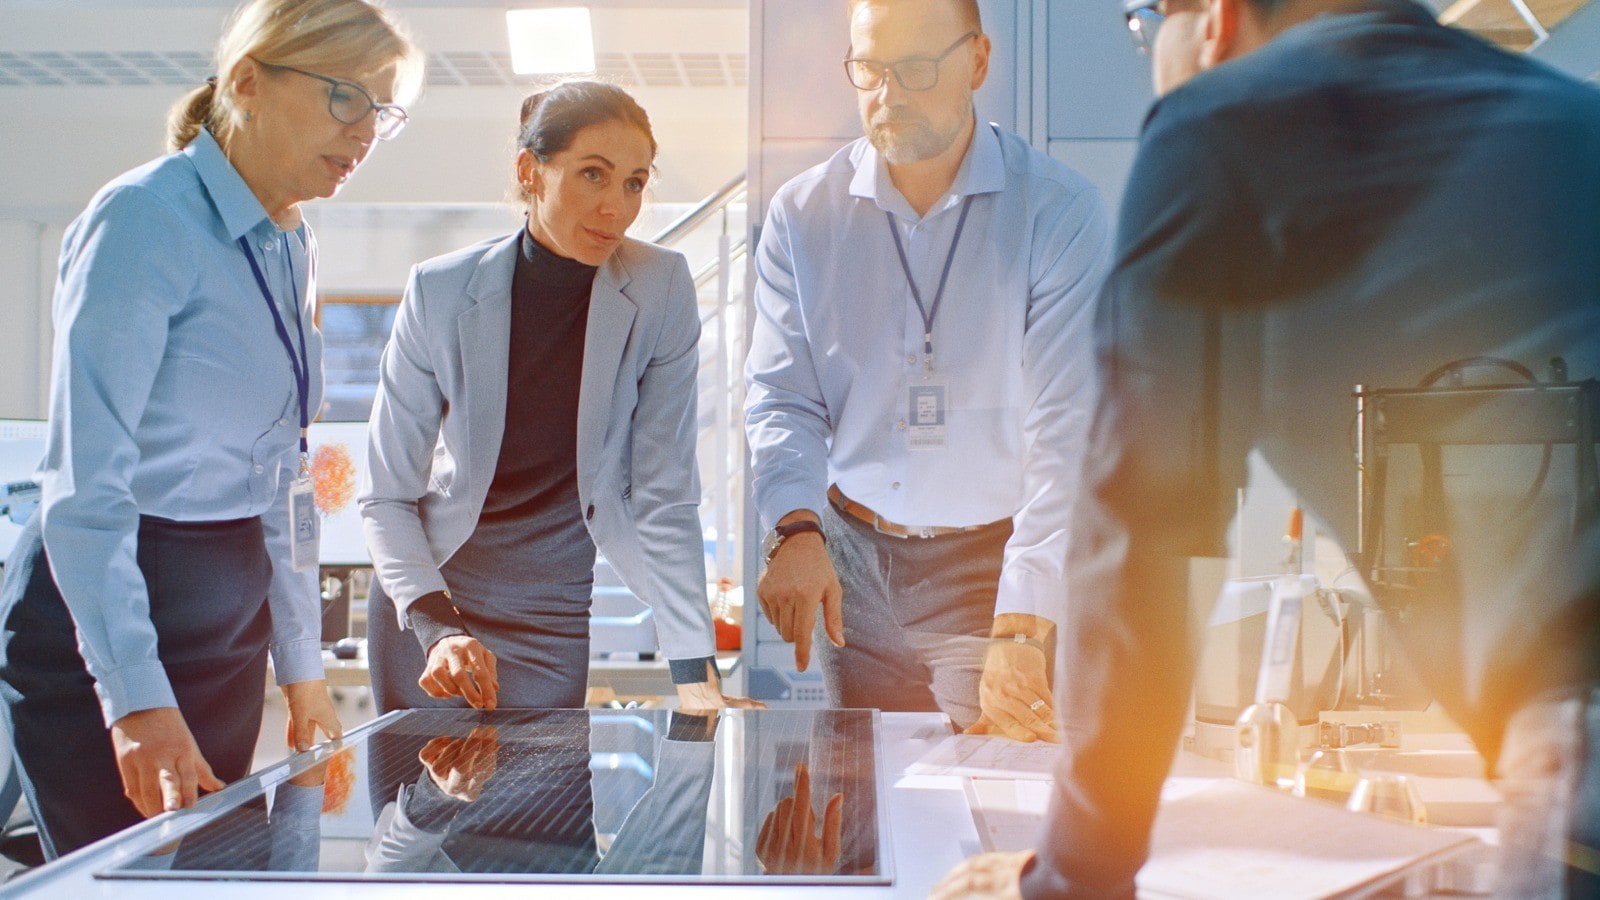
x=917, y=616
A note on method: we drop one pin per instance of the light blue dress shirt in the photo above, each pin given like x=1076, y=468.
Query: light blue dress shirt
x=838, y=342
x=172, y=396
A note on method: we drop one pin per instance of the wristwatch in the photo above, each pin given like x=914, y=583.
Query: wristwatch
x=776, y=537
x=1020, y=638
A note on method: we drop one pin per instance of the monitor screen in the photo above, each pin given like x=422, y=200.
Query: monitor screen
x=21, y=449
x=338, y=464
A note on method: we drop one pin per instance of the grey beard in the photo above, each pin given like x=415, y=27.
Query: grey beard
x=910, y=146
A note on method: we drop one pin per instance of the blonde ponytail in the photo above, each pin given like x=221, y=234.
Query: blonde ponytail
x=189, y=115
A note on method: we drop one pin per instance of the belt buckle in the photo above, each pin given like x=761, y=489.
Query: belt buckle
x=877, y=525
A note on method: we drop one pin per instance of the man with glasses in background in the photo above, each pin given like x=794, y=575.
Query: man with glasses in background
x=919, y=387
x=1331, y=193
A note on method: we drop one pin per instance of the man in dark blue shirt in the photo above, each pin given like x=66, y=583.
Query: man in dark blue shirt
x=1332, y=193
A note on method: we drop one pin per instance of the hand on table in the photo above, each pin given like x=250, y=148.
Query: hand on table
x=1014, y=695
x=461, y=666
x=788, y=844
x=161, y=765
x=987, y=875
x=800, y=578
x=310, y=708
x=707, y=695
x=462, y=767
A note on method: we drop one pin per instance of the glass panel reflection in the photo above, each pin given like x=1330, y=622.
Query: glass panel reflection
x=556, y=795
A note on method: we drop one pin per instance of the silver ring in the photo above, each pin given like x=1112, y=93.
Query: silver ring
x=1036, y=705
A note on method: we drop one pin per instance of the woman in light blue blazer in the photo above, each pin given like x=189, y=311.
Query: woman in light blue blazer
x=537, y=400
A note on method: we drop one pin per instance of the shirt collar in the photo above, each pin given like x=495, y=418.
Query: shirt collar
x=236, y=204
x=982, y=171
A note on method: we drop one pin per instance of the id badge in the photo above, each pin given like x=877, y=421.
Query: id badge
x=305, y=528
x=925, y=415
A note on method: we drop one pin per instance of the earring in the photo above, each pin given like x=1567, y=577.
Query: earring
x=247, y=116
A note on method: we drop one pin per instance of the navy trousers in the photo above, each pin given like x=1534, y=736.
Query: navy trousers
x=208, y=585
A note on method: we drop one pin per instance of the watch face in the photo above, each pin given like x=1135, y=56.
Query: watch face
x=769, y=545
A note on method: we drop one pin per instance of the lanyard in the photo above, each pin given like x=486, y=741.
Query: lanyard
x=301, y=364
x=928, y=313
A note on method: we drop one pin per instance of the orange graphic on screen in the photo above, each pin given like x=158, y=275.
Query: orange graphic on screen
x=334, y=474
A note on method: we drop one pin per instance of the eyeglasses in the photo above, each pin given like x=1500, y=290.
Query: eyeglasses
x=916, y=73
x=349, y=103
x=1144, y=17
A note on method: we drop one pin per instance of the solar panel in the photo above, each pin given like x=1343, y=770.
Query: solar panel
x=573, y=796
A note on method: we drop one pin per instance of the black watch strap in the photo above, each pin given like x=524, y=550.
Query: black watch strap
x=800, y=526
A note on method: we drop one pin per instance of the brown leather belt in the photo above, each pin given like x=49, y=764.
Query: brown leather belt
x=884, y=526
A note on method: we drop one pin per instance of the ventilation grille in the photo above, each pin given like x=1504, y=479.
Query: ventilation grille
x=648, y=69
x=44, y=68
x=133, y=67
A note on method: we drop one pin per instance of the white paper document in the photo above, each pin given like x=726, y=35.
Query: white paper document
x=1240, y=841
x=984, y=756
x=1219, y=838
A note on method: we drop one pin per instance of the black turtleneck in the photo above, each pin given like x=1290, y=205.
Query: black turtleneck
x=532, y=506
x=538, y=465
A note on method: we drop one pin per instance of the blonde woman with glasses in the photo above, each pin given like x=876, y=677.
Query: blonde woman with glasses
x=174, y=547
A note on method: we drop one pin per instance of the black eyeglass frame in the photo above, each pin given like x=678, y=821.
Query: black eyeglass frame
x=1143, y=18
x=394, y=111
x=888, y=68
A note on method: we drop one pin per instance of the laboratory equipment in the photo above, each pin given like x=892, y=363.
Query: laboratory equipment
x=1403, y=537
x=1326, y=774
x=1388, y=794
x=1230, y=659
x=1266, y=734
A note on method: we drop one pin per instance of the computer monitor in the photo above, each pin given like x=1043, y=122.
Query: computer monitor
x=338, y=465
x=338, y=461
x=21, y=449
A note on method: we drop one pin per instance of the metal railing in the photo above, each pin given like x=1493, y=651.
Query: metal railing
x=719, y=287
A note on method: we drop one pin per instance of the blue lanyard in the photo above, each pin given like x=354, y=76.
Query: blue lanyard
x=928, y=313
x=300, y=364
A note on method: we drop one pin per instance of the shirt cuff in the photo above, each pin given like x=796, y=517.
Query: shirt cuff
x=1032, y=594
x=133, y=688
x=692, y=727
x=690, y=671
x=298, y=803
x=433, y=618
x=431, y=809
x=297, y=661
x=789, y=498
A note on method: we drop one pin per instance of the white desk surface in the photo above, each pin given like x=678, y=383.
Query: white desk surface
x=931, y=829
x=930, y=822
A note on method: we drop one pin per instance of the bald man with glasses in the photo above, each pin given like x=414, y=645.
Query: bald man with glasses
x=919, y=385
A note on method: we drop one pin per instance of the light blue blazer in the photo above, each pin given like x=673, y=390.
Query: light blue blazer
x=436, y=426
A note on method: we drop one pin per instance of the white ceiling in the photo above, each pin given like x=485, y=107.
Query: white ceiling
x=85, y=85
